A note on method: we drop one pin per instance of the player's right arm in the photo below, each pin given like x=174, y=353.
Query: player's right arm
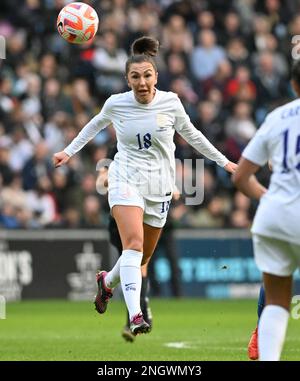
x=89, y=131
x=196, y=139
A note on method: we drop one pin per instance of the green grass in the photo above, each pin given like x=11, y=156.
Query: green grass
x=64, y=330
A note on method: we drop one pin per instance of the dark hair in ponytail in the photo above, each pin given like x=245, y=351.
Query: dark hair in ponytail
x=144, y=49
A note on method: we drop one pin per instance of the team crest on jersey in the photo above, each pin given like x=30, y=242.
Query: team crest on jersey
x=162, y=121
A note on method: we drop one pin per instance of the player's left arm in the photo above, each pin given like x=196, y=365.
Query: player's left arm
x=196, y=139
x=245, y=180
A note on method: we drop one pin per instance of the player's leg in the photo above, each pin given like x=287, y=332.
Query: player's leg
x=274, y=319
x=151, y=237
x=108, y=280
x=253, y=343
x=113, y=277
x=261, y=302
x=146, y=311
x=277, y=260
x=115, y=240
x=145, y=306
x=144, y=300
x=130, y=225
x=167, y=241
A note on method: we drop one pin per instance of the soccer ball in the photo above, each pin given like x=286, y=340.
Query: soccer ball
x=77, y=23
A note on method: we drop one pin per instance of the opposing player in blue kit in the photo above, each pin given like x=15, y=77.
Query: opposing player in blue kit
x=141, y=178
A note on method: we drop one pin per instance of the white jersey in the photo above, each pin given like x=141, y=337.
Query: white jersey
x=278, y=140
x=145, y=144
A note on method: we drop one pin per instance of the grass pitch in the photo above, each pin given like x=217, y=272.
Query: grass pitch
x=184, y=329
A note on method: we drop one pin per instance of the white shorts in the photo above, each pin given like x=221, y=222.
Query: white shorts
x=155, y=213
x=274, y=256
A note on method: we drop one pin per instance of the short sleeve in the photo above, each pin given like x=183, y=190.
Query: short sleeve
x=257, y=149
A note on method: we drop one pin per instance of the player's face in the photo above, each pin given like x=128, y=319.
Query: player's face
x=142, y=79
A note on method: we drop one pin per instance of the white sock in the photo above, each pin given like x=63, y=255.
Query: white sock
x=271, y=332
x=131, y=280
x=113, y=276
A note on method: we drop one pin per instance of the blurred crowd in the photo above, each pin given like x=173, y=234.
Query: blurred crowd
x=228, y=60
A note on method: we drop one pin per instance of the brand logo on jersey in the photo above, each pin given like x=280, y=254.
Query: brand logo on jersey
x=130, y=286
x=162, y=129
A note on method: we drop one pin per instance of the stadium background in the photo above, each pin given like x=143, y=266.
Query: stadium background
x=228, y=60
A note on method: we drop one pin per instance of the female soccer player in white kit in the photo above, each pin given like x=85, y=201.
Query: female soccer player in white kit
x=142, y=175
x=276, y=227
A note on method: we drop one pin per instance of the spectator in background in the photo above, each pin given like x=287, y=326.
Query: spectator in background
x=41, y=202
x=177, y=68
x=219, y=80
x=213, y=215
x=31, y=102
x=16, y=212
x=231, y=28
x=208, y=53
x=176, y=32
x=240, y=214
x=37, y=166
x=208, y=122
x=271, y=86
x=237, y=52
x=216, y=97
x=6, y=172
x=109, y=61
x=92, y=216
x=81, y=97
x=13, y=193
x=21, y=149
x=204, y=20
x=54, y=130
x=277, y=13
x=239, y=129
x=16, y=47
x=62, y=189
x=54, y=100
x=183, y=87
x=70, y=219
x=240, y=87
x=271, y=45
x=48, y=67
x=7, y=101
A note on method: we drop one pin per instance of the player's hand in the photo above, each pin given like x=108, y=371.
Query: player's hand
x=60, y=158
x=230, y=167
